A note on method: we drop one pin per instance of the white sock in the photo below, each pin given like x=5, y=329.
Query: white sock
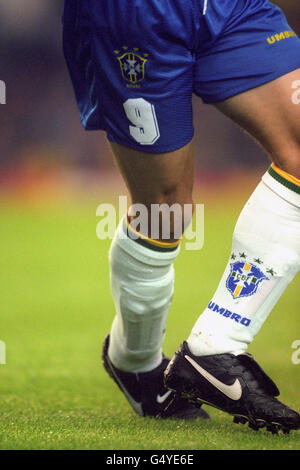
x=142, y=284
x=265, y=258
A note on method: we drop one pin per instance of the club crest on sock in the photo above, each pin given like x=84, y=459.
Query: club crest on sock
x=245, y=277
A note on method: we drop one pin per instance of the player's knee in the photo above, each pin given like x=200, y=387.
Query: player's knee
x=169, y=211
x=170, y=214
x=177, y=195
x=171, y=192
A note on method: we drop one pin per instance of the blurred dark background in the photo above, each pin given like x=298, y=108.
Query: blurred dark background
x=39, y=124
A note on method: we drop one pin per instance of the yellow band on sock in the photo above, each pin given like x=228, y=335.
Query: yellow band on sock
x=286, y=175
x=151, y=241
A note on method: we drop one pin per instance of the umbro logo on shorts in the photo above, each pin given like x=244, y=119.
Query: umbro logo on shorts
x=283, y=35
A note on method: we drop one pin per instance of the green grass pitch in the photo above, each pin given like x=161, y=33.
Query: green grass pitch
x=56, y=309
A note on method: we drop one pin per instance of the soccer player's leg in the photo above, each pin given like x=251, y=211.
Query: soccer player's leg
x=213, y=366
x=265, y=258
x=142, y=278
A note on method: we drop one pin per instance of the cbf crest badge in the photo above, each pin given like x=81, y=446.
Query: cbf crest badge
x=244, y=279
x=132, y=66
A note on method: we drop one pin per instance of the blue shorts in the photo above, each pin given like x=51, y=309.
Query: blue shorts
x=135, y=64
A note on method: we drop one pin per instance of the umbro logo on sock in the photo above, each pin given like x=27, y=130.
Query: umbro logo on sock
x=228, y=314
x=234, y=391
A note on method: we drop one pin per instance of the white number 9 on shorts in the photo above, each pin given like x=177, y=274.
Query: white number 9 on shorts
x=142, y=115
